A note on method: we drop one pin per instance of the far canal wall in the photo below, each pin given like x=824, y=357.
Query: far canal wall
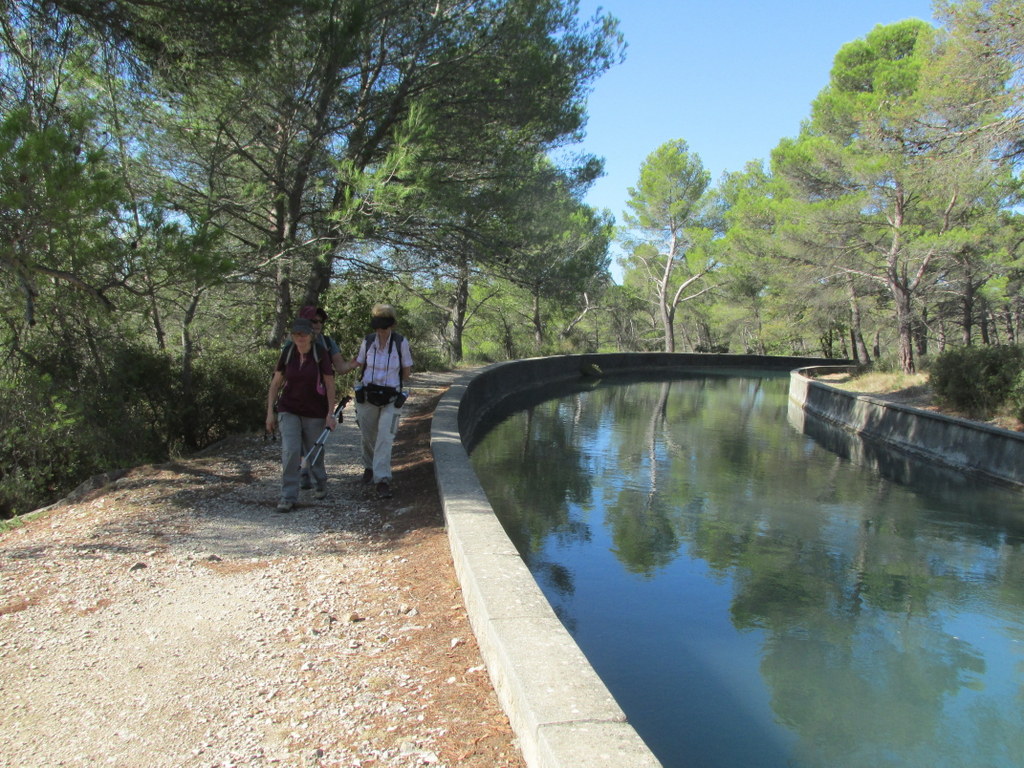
x=499, y=388
x=967, y=446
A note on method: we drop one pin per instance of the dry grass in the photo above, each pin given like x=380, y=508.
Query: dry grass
x=909, y=389
x=889, y=383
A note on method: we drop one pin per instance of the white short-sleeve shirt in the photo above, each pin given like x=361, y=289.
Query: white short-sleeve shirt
x=384, y=364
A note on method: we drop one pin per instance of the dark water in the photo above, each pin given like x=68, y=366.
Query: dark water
x=752, y=598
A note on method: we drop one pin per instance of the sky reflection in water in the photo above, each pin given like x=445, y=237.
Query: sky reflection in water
x=751, y=598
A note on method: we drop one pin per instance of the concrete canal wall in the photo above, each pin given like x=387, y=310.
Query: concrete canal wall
x=967, y=446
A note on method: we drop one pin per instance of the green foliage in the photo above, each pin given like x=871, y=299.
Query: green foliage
x=348, y=303
x=177, y=180
x=57, y=198
x=39, y=449
x=887, y=363
x=1015, y=400
x=670, y=244
x=231, y=395
x=978, y=380
x=159, y=224
x=886, y=189
x=62, y=432
x=430, y=358
x=672, y=182
x=178, y=38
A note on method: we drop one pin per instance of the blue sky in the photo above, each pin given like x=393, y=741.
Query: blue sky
x=731, y=77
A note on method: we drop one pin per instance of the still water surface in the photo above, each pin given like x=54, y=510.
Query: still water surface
x=754, y=599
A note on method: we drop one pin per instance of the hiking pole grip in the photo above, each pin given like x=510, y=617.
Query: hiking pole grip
x=340, y=407
x=314, y=452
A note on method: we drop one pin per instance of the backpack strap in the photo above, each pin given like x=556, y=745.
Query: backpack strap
x=366, y=356
x=397, y=338
x=289, y=347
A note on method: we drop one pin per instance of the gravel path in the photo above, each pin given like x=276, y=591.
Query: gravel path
x=172, y=618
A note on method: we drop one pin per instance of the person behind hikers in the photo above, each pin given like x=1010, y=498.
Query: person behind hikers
x=387, y=363
x=304, y=379
x=318, y=317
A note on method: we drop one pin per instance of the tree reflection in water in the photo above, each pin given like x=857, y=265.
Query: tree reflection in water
x=684, y=531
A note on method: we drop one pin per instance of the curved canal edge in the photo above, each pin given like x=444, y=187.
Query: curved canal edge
x=561, y=711
x=971, y=447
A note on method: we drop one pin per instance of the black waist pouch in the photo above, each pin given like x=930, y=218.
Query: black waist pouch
x=378, y=395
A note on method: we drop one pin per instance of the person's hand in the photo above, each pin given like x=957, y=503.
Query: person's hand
x=271, y=422
x=331, y=422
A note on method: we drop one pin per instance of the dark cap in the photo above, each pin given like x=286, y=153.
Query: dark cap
x=302, y=325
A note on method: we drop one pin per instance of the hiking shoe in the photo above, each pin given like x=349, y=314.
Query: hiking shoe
x=306, y=484
x=384, y=489
x=284, y=506
x=320, y=493
x=367, y=476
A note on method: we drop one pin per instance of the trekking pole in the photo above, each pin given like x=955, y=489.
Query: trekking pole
x=314, y=453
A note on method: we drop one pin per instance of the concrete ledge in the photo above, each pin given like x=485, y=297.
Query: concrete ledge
x=562, y=712
x=971, y=447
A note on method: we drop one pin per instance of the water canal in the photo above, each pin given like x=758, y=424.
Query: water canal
x=753, y=598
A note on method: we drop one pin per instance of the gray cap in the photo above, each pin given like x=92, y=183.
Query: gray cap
x=302, y=325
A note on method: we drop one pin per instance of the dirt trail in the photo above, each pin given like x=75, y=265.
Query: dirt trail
x=173, y=618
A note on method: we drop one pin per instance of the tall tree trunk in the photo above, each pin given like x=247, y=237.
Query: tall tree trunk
x=158, y=327
x=966, y=316
x=904, y=329
x=826, y=342
x=459, y=309
x=921, y=333
x=282, y=301
x=508, y=339
x=758, y=330
x=704, y=338
x=538, y=328
x=667, y=312
x=860, y=348
x=901, y=286
x=319, y=279
x=666, y=308
x=189, y=420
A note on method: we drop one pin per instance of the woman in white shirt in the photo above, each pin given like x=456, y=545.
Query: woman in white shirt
x=386, y=362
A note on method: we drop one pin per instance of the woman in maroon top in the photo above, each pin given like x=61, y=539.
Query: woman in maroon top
x=304, y=378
